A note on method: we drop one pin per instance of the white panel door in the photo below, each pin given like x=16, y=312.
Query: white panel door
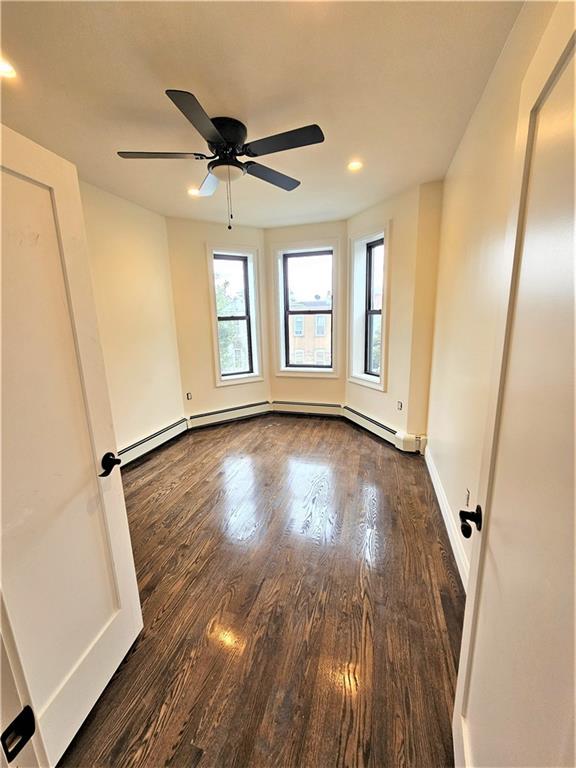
x=68, y=581
x=515, y=693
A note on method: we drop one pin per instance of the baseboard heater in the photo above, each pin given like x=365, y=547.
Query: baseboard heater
x=146, y=444
x=306, y=409
x=402, y=440
x=225, y=415
x=369, y=419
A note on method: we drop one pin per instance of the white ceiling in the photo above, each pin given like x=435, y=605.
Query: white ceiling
x=391, y=83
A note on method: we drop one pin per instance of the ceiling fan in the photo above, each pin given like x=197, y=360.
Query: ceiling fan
x=226, y=138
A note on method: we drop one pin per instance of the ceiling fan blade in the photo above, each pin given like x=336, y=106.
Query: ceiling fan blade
x=162, y=155
x=271, y=176
x=208, y=186
x=191, y=108
x=299, y=137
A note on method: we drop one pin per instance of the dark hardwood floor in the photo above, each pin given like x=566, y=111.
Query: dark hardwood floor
x=301, y=606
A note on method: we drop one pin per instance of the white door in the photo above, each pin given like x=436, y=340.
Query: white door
x=69, y=591
x=515, y=694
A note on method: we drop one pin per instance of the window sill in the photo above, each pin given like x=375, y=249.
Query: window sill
x=241, y=378
x=367, y=381
x=308, y=373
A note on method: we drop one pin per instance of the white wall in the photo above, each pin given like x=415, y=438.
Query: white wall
x=133, y=291
x=474, y=272
x=188, y=243
x=414, y=221
x=153, y=295
x=414, y=240
x=424, y=304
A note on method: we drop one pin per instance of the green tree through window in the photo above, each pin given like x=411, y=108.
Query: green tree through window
x=233, y=312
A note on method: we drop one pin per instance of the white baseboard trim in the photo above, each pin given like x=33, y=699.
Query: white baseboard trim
x=147, y=444
x=449, y=517
x=228, y=414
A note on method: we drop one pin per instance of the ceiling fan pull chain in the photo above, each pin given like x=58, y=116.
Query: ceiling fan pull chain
x=230, y=188
x=229, y=200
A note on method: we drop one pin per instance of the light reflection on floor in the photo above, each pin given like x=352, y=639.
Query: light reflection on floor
x=307, y=499
x=240, y=519
x=227, y=638
x=370, y=504
x=312, y=512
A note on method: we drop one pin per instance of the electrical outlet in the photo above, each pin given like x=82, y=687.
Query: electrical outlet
x=467, y=497
x=188, y=395
x=399, y=405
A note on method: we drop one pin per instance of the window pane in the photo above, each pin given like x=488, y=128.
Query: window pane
x=306, y=348
x=229, y=285
x=233, y=346
x=374, y=343
x=377, y=276
x=310, y=282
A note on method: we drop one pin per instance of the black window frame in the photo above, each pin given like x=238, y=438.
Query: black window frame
x=288, y=311
x=369, y=311
x=228, y=318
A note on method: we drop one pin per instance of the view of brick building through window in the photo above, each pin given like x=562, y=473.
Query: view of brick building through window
x=311, y=335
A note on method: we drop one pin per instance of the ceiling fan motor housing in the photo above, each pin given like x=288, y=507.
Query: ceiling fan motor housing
x=226, y=167
x=233, y=131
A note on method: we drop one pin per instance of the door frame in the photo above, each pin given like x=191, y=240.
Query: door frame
x=556, y=46
x=77, y=693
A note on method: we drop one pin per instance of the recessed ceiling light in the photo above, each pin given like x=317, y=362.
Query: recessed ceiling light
x=355, y=165
x=194, y=192
x=6, y=69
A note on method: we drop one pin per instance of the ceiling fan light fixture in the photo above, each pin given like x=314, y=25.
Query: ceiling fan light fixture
x=227, y=170
x=7, y=70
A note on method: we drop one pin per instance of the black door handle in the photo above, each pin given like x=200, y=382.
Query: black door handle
x=475, y=517
x=18, y=733
x=109, y=461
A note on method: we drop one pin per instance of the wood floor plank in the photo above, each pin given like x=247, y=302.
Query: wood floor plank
x=302, y=608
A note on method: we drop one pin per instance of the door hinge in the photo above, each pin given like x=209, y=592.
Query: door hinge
x=18, y=733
